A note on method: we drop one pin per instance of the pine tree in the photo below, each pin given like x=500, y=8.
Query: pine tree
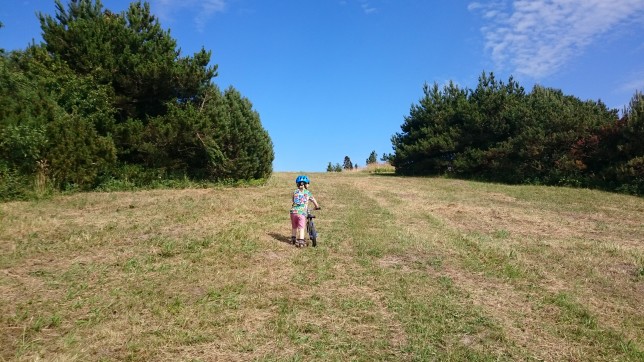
x=129, y=52
x=170, y=117
x=373, y=158
x=386, y=157
x=248, y=146
x=347, y=163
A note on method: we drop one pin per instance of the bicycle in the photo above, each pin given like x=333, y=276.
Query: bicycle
x=310, y=228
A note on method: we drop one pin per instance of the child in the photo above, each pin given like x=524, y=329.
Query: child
x=301, y=198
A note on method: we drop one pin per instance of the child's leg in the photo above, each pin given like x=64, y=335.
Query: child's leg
x=294, y=224
x=300, y=238
x=301, y=224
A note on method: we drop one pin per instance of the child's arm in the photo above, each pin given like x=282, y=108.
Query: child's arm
x=317, y=206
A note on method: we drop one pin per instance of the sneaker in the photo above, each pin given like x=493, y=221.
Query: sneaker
x=300, y=244
x=293, y=240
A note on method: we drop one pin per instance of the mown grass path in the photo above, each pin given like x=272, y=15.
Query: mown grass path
x=414, y=269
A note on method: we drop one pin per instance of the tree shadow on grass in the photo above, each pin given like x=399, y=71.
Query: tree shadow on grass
x=392, y=174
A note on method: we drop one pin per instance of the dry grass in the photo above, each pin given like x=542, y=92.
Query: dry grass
x=406, y=269
x=376, y=168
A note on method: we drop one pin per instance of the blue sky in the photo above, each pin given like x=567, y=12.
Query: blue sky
x=335, y=78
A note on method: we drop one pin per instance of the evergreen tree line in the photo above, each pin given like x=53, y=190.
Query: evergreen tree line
x=499, y=132
x=373, y=158
x=346, y=165
x=109, y=98
x=333, y=168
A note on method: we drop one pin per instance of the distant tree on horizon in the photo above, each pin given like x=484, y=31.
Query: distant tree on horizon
x=373, y=158
x=386, y=157
x=333, y=168
x=347, y=163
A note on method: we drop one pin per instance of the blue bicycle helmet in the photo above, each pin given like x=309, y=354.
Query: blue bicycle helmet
x=302, y=178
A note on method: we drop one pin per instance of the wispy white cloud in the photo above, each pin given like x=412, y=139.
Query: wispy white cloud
x=203, y=10
x=636, y=83
x=537, y=37
x=367, y=7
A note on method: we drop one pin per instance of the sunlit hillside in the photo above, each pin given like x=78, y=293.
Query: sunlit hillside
x=406, y=269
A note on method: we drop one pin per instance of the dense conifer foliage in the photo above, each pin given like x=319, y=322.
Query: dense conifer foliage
x=498, y=132
x=109, y=97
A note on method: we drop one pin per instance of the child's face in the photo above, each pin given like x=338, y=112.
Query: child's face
x=300, y=185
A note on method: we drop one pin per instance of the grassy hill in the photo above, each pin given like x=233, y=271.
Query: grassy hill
x=410, y=269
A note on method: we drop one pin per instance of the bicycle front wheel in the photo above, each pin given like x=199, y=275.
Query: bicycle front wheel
x=313, y=234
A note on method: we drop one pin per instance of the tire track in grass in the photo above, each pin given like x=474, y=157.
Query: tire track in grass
x=433, y=320
x=333, y=314
x=514, y=294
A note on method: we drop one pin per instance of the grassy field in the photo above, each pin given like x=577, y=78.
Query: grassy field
x=406, y=269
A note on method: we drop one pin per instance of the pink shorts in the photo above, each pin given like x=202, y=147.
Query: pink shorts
x=298, y=221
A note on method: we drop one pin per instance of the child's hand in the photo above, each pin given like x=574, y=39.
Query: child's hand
x=318, y=208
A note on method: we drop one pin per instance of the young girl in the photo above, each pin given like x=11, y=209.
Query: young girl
x=301, y=198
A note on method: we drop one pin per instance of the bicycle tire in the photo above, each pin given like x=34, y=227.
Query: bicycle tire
x=313, y=234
